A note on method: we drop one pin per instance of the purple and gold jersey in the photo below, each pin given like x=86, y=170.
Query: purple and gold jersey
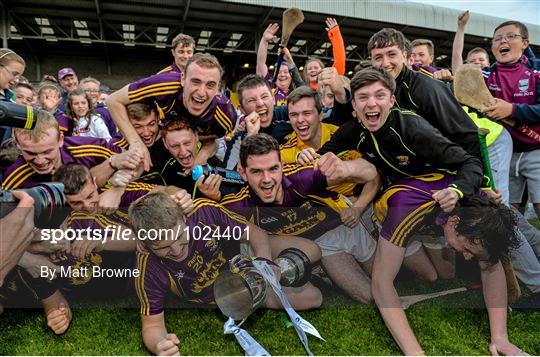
x=191, y=279
x=308, y=210
x=172, y=68
x=87, y=151
x=102, y=110
x=166, y=91
x=64, y=124
x=107, y=226
x=280, y=96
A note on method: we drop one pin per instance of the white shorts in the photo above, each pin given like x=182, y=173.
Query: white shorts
x=355, y=241
x=429, y=242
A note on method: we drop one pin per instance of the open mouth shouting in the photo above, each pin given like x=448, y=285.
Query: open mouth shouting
x=372, y=119
x=267, y=191
x=186, y=160
x=303, y=131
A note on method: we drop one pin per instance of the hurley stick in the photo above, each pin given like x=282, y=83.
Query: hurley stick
x=407, y=301
x=292, y=17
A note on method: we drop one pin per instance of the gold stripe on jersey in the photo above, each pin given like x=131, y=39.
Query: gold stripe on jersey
x=17, y=176
x=235, y=197
x=409, y=223
x=294, y=168
x=142, y=261
x=202, y=202
x=81, y=148
x=291, y=143
x=154, y=90
x=123, y=143
x=166, y=69
x=223, y=120
x=140, y=186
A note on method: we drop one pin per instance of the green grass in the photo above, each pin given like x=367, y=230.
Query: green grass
x=444, y=326
x=451, y=325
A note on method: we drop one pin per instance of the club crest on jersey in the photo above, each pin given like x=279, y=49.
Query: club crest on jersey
x=523, y=84
x=403, y=160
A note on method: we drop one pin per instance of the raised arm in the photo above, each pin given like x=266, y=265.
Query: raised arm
x=262, y=52
x=116, y=103
x=459, y=39
x=338, y=46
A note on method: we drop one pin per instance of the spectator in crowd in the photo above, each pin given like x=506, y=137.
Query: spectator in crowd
x=514, y=80
x=183, y=48
x=259, y=114
x=91, y=87
x=314, y=66
x=49, y=98
x=477, y=55
x=24, y=94
x=423, y=52
x=284, y=79
x=11, y=69
x=68, y=80
x=85, y=120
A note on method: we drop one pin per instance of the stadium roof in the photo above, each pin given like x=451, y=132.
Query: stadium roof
x=226, y=26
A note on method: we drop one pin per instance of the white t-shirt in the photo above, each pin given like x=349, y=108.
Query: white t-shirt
x=97, y=128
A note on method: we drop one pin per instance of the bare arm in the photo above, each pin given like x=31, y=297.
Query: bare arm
x=388, y=259
x=495, y=296
x=262, y=52
x=338, y=171
x=459, y=39
x=16, y=233
x=155, y=336
x=369, y=191
x=116, y=104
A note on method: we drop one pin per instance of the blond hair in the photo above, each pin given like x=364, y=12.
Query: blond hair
x=45, y=121
x=7, y=56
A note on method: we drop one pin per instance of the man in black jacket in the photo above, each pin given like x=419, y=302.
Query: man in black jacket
x=414, y=159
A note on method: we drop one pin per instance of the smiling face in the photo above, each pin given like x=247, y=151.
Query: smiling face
x=390, y=58
x=24, y=96
x=372, y=104
x=313, y=68
x=69, y=82
x=305, y=120
x=86, y=200
x=10, y=74
x=182, y=144
x=92, y=90
x=181, y=55
x=508, y=44
x=172, y=248
x=479, y=58
x=79, y=105
x=43, y=156
x=264, y=174
x=147, y=128
x=201, y=85
x=421, y=56
x=259, y=99
x=284, y=78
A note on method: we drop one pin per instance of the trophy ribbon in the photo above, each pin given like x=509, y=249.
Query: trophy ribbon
x=300, y=325
x=248, y=343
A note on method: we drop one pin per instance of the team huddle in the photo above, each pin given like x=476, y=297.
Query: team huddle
x=318, y=154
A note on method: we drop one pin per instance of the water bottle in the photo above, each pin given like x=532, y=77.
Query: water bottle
x=229, y=176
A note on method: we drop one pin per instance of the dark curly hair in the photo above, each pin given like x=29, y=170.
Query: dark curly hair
x=490, y=224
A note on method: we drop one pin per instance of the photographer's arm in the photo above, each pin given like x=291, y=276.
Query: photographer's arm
x=16, y=233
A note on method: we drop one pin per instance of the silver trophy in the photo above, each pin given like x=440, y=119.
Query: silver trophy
x=242, y=289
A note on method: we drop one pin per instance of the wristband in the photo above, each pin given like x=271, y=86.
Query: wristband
x=292, y=67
